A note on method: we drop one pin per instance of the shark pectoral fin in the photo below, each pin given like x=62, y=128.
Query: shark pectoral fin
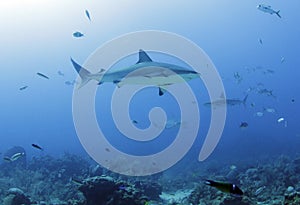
x=161, y=91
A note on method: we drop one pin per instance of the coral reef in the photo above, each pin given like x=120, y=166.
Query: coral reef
x=73, y=180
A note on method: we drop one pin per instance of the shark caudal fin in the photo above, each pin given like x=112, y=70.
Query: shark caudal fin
x=277, y=13
x=85, y=75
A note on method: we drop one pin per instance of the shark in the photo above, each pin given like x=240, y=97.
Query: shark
x=144, y=72
x=232, y=102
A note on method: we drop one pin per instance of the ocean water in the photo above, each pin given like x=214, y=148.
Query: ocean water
x=254, y=53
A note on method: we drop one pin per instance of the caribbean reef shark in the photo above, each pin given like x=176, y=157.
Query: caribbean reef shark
x=144, y=72
x=222, y=101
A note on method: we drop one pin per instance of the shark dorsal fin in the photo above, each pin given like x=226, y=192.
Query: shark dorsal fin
x=143, y=57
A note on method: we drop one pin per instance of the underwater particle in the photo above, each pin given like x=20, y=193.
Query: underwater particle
x=293, y=100
x=267, y=9
x=243, y=125
x=225, y=187
x=37, y=146
x=77, y=34
x=260, y=41
x=280, y=119
x=106, y=149
x=23, y=88
x=42, y=75
x=87, y=13
x=282, y=59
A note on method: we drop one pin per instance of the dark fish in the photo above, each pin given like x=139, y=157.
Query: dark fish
x=42, y=75
x=225, y=187
x=88, y=14
x=243, y=124
x=6, y=158
x=134, y=122
x=23, y=88
x=37, y=146
x=77, y=34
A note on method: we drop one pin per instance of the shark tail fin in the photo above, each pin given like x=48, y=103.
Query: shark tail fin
x=85, y=75
x=277, y=13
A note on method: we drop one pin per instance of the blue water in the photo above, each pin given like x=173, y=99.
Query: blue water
x=38, y=38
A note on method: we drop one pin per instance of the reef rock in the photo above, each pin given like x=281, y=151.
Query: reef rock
x=16, y=196
x=104, y=190
x=292, y=199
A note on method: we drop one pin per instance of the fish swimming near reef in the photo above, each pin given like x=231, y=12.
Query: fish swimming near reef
x=144, y=72
x=76, y=181
x=87, y=13
x=37, y=146
x=225, y=187
x=14, y=157
x=23, y=88
x=266, y=92
x=268, y=9
x=42, y=75
x=78, y=34
x=243, y=125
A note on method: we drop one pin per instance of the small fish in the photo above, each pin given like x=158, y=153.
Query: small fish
x=16, y=156
x=87, y=13
x=225, y=187
x=259, y=190
x=172, y=123
x=23, y=88
x=270, y=110
x=237, y=77
x=37, y=146
x=134, y=122
x=259, y=114
x=6, y=158
x=77, y=34
x=260, y=41
x=76, y=181
x=269, y=71
x=280, y=119
x=268, y=9
x=266, y=92
x=232, y=167
x=243, y=125
x=60, y=73
x=42, y=75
